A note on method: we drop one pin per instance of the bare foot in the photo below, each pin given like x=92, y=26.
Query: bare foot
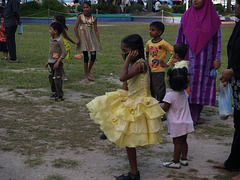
x=236, y=177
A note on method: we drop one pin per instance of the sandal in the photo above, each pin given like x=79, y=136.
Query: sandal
x=129, y=176
x=220, y=166
x=64, y=78
x=59, y=99
x=90, y=77
x=85, y=80
x=54, y=95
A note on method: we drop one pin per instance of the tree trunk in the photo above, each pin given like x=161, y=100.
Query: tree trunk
x=229, y=5
x=149, y=5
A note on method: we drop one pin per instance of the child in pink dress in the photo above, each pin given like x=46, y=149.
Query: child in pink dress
x=3, y=42
x=175, y=103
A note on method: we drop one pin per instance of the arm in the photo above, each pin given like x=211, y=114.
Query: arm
x=67, y=37
x=97, y=34
x=169, y=48
x=125, y=85
x=63, y=55
x=217, y=44
x=137, y=68
x=76, y=29
x=165, y=106
x=18, y=18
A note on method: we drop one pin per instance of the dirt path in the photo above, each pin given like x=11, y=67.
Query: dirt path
x=102, y=160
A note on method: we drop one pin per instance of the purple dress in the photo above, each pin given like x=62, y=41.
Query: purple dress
x=202, y=86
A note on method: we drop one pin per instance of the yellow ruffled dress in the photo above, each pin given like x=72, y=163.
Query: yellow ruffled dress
x=129, y=118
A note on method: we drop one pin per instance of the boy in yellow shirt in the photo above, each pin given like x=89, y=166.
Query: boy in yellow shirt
x=156, y=51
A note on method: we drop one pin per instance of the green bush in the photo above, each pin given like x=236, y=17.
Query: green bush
x=134, y=8
x=219, y=8
x=54, y=5
x=102, y=8
x=30, y=8
x=180, y=8
x=165, y=8
x=33, y=5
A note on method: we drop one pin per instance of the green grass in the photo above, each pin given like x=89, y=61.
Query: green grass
x=68, y=163
x=33, y=123
x=33, y=46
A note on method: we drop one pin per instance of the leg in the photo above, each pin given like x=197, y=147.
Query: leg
x=51, y=78
x=58, y=80
x=195, y=110
x=159, y=87
x=10, y=34
x=175, y=163
x=177, y=148
x=234, y=158
x=5, y=54
x=184, y=147
x=93, y=58
x=86, y=70
x=132, y=158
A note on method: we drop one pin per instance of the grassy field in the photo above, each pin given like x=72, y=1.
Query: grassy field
x=32, y=49
x=33, y=124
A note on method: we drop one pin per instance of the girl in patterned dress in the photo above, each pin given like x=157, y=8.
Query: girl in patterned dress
x=86, y=40
x=130, y=117
x=60, y=18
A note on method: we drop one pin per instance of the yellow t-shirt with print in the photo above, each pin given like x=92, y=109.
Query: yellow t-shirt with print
x=157, y=52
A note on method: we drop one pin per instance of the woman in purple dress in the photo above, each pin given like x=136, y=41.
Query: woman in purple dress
x=200, y=30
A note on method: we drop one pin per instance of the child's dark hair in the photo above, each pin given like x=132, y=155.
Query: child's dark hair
x=60, y=18
x=181, y=49
x=135, y=42
x=57, y=26
x=88, y=3
x=159, y=25
x=178, y=78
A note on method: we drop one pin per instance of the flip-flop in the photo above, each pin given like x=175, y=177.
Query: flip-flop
x=90, y=77
x=78, y=56
x=220, y=166
x=85, y=81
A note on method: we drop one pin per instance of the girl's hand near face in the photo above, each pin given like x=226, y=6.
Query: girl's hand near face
x=132, y=56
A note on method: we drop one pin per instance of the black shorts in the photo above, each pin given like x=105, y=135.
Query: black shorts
x=3, y=46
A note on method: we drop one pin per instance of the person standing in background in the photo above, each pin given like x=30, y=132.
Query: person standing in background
x=12, y=20
x=200, y=30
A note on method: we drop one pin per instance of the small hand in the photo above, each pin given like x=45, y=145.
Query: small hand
x=216, y=64
x=100, y=46
x=174, y=61
x=46, y=65
x=163, y=64
x=226, y=75
x=20, y=22
x=56, y=65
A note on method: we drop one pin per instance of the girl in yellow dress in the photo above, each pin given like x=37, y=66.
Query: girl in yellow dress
x=60, y=18
x=130, y=117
